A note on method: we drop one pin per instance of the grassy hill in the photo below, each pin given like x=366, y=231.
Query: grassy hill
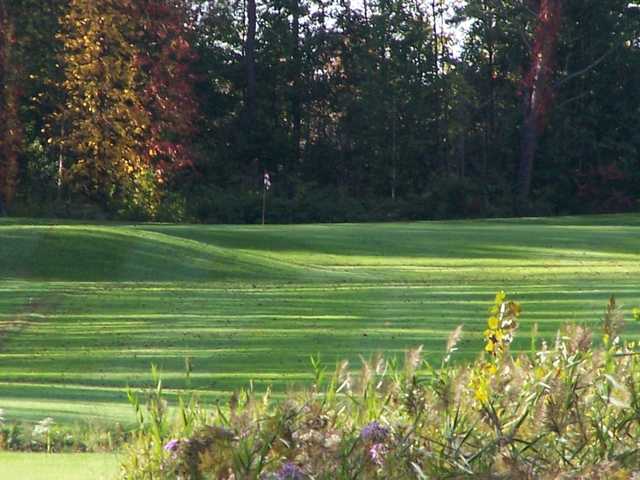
x=86, y=308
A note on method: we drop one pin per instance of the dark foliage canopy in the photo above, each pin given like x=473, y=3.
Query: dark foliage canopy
x=370, y=110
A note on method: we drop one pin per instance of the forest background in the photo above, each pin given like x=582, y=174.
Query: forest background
x=382, y=110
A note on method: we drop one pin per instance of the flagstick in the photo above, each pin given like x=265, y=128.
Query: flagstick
x=264, y=203
x=266, y=186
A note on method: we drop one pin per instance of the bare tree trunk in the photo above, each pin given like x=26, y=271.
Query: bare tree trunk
x=297, y=94
x=528, y=148
x=461, y=153
x=250, y=63
x=434, y=26
x=538, y=93
x=60, y=164
x=461, y=115
x=394, y=149
x=437, y=125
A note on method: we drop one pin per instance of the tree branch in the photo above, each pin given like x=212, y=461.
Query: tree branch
x=586, y=69
x=573, y=99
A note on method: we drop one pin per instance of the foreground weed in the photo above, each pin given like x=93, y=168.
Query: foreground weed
x=570, y=409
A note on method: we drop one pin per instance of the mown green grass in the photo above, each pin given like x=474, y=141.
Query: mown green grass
x=76, y=466
x=86, y=308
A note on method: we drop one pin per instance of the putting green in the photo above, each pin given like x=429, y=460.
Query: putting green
x=86, y=308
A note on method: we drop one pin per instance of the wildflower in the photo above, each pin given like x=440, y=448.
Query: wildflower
x=480, y=386
x=332, y=441
x=636, y=314
x=501, y=325
x=43, y=427
x=171, y=445
x=374, y=432
x=376, y=453
x=490, y=369
x=290, y=471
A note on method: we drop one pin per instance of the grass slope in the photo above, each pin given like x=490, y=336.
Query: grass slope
x=86, y=308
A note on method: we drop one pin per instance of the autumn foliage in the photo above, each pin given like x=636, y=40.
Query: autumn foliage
x=168, y=93
x=10, y=127
x=171, y=109
x=125, y=117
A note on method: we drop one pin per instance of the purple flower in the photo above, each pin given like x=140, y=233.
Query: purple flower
x=171, y=445
x=376, y=453
x=290, y=471
x=374, y=432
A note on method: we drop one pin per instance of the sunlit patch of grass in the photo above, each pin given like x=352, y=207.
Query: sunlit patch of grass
x=39, y=466
x=100, y=302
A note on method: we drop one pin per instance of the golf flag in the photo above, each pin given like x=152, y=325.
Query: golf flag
x=267, y=181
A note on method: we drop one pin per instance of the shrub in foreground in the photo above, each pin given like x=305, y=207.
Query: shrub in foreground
x=570, y=409
x=50, y=437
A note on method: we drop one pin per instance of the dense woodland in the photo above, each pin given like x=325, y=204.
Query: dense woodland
x=369, y=110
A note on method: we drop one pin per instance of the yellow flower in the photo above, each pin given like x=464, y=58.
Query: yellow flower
x=482, y=395
x=489, y=347
x=491, y=369
x=500, y=297
x=480, y=387
x=493, y=323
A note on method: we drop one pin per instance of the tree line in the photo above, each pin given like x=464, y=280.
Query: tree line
x=384, y=109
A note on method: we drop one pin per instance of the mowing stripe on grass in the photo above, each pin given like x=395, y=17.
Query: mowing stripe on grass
x=251, y=303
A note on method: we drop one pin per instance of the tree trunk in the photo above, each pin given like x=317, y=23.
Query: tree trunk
x=250, y=62
x=537, y=96
x=394, y=149
x=297, y=82
x=60, y=164
x=528, y=148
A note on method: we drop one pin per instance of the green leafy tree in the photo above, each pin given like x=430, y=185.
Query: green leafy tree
x=588, y=159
